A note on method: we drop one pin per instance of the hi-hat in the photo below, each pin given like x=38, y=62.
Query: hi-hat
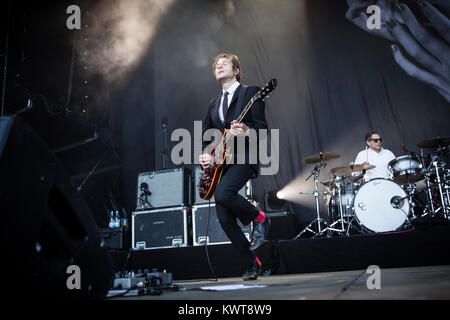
x=350, y=169
x=315, y=158
x=434, y=143
x=329, y=182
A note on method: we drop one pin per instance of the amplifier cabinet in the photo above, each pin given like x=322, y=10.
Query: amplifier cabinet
x=160, y=228
x=163, y=188
x=196, y=196
x=215, y=235
x=113, y=239
x=283, y=225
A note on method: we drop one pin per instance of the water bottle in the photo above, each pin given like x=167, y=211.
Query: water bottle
x=117, y=220
x=124, y=223
x=111, y=219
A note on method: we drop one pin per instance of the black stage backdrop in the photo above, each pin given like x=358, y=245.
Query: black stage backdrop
x=336, y=83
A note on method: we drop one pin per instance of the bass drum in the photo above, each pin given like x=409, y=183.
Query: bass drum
x=381, y=205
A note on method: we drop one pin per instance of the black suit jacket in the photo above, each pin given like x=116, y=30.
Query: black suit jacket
x=254, y=119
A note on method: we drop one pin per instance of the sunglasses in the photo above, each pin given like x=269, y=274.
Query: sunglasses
x=376, y=140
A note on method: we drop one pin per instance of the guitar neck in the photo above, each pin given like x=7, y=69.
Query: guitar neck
x=246, y=109
x=268, y=88
x=240, y=118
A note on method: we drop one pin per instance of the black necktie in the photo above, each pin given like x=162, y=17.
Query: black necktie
x=225, y=105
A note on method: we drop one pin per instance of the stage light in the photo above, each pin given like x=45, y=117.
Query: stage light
x=291, y=191
x=272, y=203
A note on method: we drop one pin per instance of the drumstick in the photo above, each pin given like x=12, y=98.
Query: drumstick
x=367, y=154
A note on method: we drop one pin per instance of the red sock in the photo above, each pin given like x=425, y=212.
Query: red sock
x=261, y=217
x=257, y=261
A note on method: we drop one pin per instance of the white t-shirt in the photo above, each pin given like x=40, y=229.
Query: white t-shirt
x=378, y=159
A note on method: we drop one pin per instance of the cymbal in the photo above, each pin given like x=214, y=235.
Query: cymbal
x=434, y=143
x=350, y=169
x=315, y=158
x=328, y=183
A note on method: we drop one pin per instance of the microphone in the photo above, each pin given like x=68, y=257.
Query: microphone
x=144, y=194
x=397, y=201
x=144, y=189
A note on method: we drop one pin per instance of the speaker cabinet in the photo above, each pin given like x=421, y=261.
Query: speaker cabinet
x=50, y=243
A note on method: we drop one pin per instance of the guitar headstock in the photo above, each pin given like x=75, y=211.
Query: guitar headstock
x=263, y=93
x=267, y=90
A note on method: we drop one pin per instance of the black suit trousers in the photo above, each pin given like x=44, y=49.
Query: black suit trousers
x=230, y=206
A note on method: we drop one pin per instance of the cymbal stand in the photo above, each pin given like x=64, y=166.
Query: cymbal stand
x=444, y=178
x=447, y=187
x=315, y=172
x=341, y=220
x=429, y=194
x=410, y=189
x=441, y=194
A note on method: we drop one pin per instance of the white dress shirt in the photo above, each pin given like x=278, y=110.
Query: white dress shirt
x=231, y=91
x=378, y=159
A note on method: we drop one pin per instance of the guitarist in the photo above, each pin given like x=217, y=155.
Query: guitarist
x=229, y=204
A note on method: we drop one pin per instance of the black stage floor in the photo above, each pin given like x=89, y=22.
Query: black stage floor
x=413, y=283
x=425, y=246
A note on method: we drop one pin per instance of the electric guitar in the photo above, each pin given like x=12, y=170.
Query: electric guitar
x=210, y=177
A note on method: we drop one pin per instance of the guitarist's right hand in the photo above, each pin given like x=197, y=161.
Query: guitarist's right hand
x=205, y=160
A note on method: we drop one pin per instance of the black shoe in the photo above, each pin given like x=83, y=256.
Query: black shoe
x=259, y=233
x=253, y=272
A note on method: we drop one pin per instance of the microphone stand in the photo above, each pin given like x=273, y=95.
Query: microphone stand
x=164, y=153
x=315, y=172
x=144, y=200
x=144, y=196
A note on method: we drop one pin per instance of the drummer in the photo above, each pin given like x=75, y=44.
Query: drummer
x=375, y=155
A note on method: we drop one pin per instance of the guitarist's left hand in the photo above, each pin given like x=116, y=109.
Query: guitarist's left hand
x=239, y=129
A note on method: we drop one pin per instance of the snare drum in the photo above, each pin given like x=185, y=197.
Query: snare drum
x=347, y=194
x=406, y=169
x=376, y=208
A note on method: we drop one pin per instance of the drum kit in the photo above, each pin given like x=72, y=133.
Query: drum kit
x=418, y=190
